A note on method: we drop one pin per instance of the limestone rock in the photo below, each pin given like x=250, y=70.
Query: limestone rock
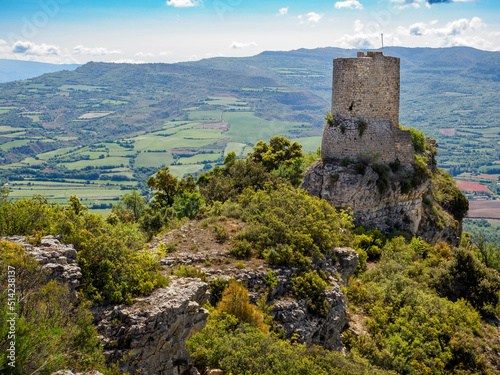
x=58, y=259
x=389, y=209
x=149, y=336
x=289, y=311
x=359, y=193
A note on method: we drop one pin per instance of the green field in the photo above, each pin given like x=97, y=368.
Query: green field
x=153, y=159
x=309, y=144
x=12, y=144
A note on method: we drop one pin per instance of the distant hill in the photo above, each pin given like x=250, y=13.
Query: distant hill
x=110, y=123
x=14, y=70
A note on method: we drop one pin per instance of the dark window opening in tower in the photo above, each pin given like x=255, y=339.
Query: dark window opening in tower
x=350, y=107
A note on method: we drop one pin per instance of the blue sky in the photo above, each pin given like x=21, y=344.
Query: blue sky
x=77, y=31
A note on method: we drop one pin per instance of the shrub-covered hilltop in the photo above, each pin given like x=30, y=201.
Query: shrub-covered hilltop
x=414, y=308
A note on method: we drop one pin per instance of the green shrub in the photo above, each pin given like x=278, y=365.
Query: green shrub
x=270, y=279
x=279, y=151
x=464, y=276
x=217, y=287
x=186, y=271
x=187, y=205
x=238, y=348
x=241, y=249
x=384, y=173
x=417, y=139
x=51, y=333
x=448, y=195
x=154, y=220
x=362, y=126
x=345, y=162
x=113, y=268
x=291, y=171
x=411, y=330
x=311, y=285
x=220, y=233
x=360, y=168
x=395, y=165
x=285, y=225
x=370, y=241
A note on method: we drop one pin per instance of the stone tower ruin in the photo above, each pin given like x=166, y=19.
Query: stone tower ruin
x=365, y=110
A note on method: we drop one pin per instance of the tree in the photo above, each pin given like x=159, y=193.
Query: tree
x=169, y=187
x=279, y=150
x=134, y=202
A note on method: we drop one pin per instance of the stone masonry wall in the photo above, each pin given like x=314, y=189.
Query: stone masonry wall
x=379, y=138
x=366, y=87
x=365, y=106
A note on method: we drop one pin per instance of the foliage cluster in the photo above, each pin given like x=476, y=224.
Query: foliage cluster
x=186, y=271
x=173, y=199
x=114, y=269
x=238, y=343
x=269, y=163
x=286, y=226
x=312, y=285
x=448, y=195
x=412, y=328
x=51, y=333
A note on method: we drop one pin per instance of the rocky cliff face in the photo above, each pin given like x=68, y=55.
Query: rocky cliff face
x=343, y=187
x=149, y=336
x=386, y=196
x=288, y=311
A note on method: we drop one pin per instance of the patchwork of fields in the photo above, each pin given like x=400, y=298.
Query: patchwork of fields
x=196, y=141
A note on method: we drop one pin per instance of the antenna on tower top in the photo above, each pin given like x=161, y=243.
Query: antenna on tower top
x=382, y=37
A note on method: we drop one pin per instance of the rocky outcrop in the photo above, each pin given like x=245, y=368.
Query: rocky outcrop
x=344, y=188
x=149, y=336
x=386, y=196
x=58, y=259
x=288, y=311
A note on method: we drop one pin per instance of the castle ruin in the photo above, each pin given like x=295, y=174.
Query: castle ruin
x=365, y=110
x=368, y=163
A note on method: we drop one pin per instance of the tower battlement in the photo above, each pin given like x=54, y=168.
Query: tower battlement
x=365, y=108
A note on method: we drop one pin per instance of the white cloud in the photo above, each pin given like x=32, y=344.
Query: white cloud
x=96, y=51
x=461, y=32
x=350, y=4
x=30, y=48
x=165, y=53
x=363, y=39
x=237, y=45
x=358, y=26
x=283, y=11
x=452, y=28
x=403, y=4
x=311, y=18
x=144, y=54
x=184, y=3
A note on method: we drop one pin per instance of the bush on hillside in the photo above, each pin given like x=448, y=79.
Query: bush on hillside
x=285, y=225
x=51, y=333
x=113, y=267
x=411, y=329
